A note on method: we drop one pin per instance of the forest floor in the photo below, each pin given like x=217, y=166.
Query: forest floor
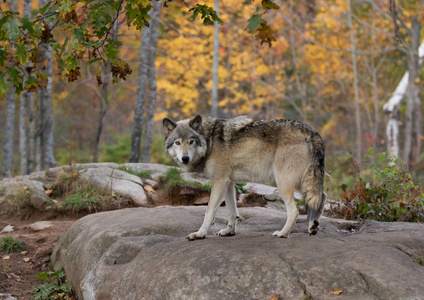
x=17, y=269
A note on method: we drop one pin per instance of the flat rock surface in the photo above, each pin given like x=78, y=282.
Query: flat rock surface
x=141, y=253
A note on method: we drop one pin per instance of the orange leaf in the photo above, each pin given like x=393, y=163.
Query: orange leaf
x=276, y=297
x=336, y=292
x=75, y=174
x=49, y=192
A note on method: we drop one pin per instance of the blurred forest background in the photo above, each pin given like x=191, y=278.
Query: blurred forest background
x=333, y=64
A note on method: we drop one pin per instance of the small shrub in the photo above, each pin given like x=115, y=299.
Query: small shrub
x=18, y=199
x=9, y=244
x=172, y=182
x=390, y=196
x=240, y=188
x=55, y=286
x=86, y=198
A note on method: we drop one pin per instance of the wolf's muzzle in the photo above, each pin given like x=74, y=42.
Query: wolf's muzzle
x=185, y=159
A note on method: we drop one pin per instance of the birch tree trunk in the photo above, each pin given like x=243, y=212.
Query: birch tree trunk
x=31, y=133
x=410, y=156
x=22, y=132
x=22, y=108
x=215, y=64
x=47, y=107
x=140, y=97
x=6, y=170
x=104, y=99
x=151, y=104
x=355, y=85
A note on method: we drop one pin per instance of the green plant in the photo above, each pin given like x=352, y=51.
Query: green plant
x=141, y=174
x=55, y=286
x=9, y=244
x=83, y=199
x=18, y=199
x=240, y=188
x=391, y=194
x=172, y=182
x=419, y=260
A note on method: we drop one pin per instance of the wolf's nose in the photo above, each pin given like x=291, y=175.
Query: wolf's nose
x=185, y=159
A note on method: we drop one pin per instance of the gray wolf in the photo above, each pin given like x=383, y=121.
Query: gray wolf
x=285, y=153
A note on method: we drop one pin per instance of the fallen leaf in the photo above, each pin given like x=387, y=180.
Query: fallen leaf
x=24, y=252
x=25, y=187
x=49, y=192
x=149, y=189
x=75, y=174
x=336, y=292
x=6, y=257
x=276, y=297
x=26, y=259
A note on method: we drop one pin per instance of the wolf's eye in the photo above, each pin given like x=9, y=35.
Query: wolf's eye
x=191, y=142
x=177, y=143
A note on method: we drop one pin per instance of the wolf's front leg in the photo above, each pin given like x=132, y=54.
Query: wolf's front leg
x=219, y=187
x=230, y=202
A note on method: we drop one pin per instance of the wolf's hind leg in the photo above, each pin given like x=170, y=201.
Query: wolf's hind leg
x=286, y=192
x=230, y=202
x=219, y=188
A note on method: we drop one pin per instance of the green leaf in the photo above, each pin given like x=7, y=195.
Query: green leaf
x=4, y=86
x=3, y=56
x=44, y=8
x=28, y=26
x=268, y=4
x=21, y=52
x=94, y=60
x=253, y=23
x=11, y=28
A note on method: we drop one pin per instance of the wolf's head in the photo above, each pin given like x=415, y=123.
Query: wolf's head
x=184, y=141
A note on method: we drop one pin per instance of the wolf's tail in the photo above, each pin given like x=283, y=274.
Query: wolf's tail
x=313, y=180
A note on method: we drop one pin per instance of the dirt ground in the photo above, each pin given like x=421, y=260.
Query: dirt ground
x=17, y=269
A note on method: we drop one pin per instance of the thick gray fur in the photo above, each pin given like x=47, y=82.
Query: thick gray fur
x=280, y=152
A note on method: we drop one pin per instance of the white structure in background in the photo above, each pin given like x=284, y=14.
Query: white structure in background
x=392, y=108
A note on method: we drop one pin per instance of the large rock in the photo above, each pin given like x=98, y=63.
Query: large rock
x=118, y=181
x=141, y=253
x=12, y=188
x=155, y=170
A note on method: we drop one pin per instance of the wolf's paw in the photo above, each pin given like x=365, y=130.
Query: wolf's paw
x=281, y=234
x=228, y=231
x=195, y=236
x=313, y=230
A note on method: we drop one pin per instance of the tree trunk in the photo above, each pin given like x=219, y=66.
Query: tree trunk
x=22, y=132
x=215, y=64
x=6, y=170
x=410, y=156
x=355, y=86
x=140, y=97
x=151, y=104
x=39, y=132
x=104, y=99
x=22, y=108
x=31, y=133
x=47, y=107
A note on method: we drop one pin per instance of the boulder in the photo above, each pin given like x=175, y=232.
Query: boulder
x=37, y=196
x=118, y=181
x=154, y=169
x=142, y=253
x=195, y=177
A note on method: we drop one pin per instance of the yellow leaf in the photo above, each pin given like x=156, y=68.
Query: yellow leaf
x=49, y=192
x=417, y=80
x=336, y=292
x=276, y=297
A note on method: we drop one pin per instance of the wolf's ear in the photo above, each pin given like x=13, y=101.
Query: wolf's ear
x=196, y=123
x=168, y=125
